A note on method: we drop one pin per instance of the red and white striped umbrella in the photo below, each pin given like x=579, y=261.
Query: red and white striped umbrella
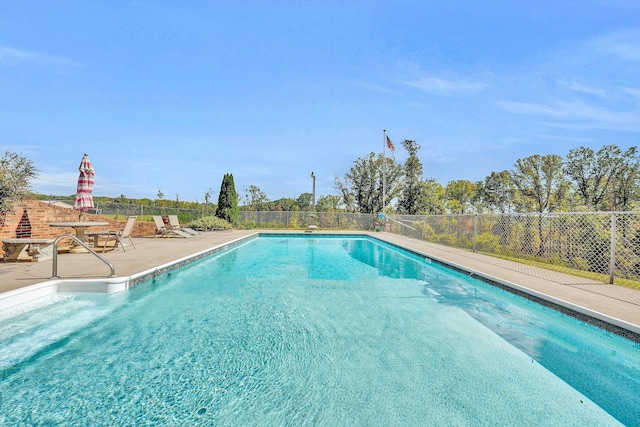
x=84, y=199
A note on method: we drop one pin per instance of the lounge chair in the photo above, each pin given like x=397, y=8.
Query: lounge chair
x=174, y=224
x=118, y=236
x=164, y=231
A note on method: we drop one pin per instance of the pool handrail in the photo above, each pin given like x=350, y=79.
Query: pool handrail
x=54, y=273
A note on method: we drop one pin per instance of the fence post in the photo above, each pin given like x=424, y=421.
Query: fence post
x=612, y=256
x=475, y=230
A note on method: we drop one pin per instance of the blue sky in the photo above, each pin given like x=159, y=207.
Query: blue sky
x=172, y=95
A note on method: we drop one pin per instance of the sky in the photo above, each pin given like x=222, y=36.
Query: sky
x=171, y=95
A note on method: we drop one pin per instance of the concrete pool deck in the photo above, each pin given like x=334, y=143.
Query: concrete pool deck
x=611, y=301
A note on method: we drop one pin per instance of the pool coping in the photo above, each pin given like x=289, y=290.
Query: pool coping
x=29, y=293
x=605, y=322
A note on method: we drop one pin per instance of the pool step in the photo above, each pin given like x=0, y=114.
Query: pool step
x=30, y=328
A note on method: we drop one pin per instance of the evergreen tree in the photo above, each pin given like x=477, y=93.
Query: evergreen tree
x=228, y=200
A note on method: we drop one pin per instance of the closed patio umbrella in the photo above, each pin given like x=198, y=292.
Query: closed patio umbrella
x=84, y=199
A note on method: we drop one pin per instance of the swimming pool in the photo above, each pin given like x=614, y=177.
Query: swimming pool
x=312, y=331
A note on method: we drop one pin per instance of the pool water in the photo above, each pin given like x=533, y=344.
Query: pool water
x=311, y=331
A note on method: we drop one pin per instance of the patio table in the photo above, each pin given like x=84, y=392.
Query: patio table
x=79, y=227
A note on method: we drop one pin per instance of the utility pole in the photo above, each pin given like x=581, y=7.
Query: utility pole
x=313, y=199
x=384, y=177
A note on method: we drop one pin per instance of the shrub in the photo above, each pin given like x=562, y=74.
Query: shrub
x=445, y=239
x=209, y=223
x=488, y=243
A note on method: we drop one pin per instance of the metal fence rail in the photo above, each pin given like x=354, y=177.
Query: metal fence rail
x=300, y=220
x=120, y=209
x=606, y=243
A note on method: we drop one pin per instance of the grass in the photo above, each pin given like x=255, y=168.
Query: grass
x=627, y=283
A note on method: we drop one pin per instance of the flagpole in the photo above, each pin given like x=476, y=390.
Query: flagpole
x=384, y=177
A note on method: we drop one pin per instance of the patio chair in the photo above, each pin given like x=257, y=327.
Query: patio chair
x=164, y=231
x=174, y=224
x=118, y=236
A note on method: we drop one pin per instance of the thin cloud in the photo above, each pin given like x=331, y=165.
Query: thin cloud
x=56, y=183
x=633, y=91
x=625, y=45
x=440, y=86
x=577, y=115
x=572, y=139
x=10, y=56
x=589, y=90
x=374, y=87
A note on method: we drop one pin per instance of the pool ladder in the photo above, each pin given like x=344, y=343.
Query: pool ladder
x=54, y=274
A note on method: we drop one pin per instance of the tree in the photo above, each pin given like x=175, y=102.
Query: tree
x=497, y=193
x=362, y=188
x=207, y=197
x=256, y=199
x=285, y=204
x=304, y=201
x=410, y=196
x=594, y=174
x=329, y=203
x=626, y=184
x=431, y=200
x=16, y=173
x=459, y=195
x=228, y=200
x=542, y=186
x=540, y=181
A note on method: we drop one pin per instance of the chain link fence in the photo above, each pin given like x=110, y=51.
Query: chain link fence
x=302, y=220
x=247, y=219
x=121, y=210
x=604, y=243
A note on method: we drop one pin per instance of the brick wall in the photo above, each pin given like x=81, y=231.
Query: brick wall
x=23, y=230
x=38, y=215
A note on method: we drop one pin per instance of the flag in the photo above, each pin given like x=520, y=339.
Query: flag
x=390, y=145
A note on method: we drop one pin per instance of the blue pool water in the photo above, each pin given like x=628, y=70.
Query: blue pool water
x=311, y=331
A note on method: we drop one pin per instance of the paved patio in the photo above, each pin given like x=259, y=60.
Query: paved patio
x=610, y=300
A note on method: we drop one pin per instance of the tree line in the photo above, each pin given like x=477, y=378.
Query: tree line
x=584, y=180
